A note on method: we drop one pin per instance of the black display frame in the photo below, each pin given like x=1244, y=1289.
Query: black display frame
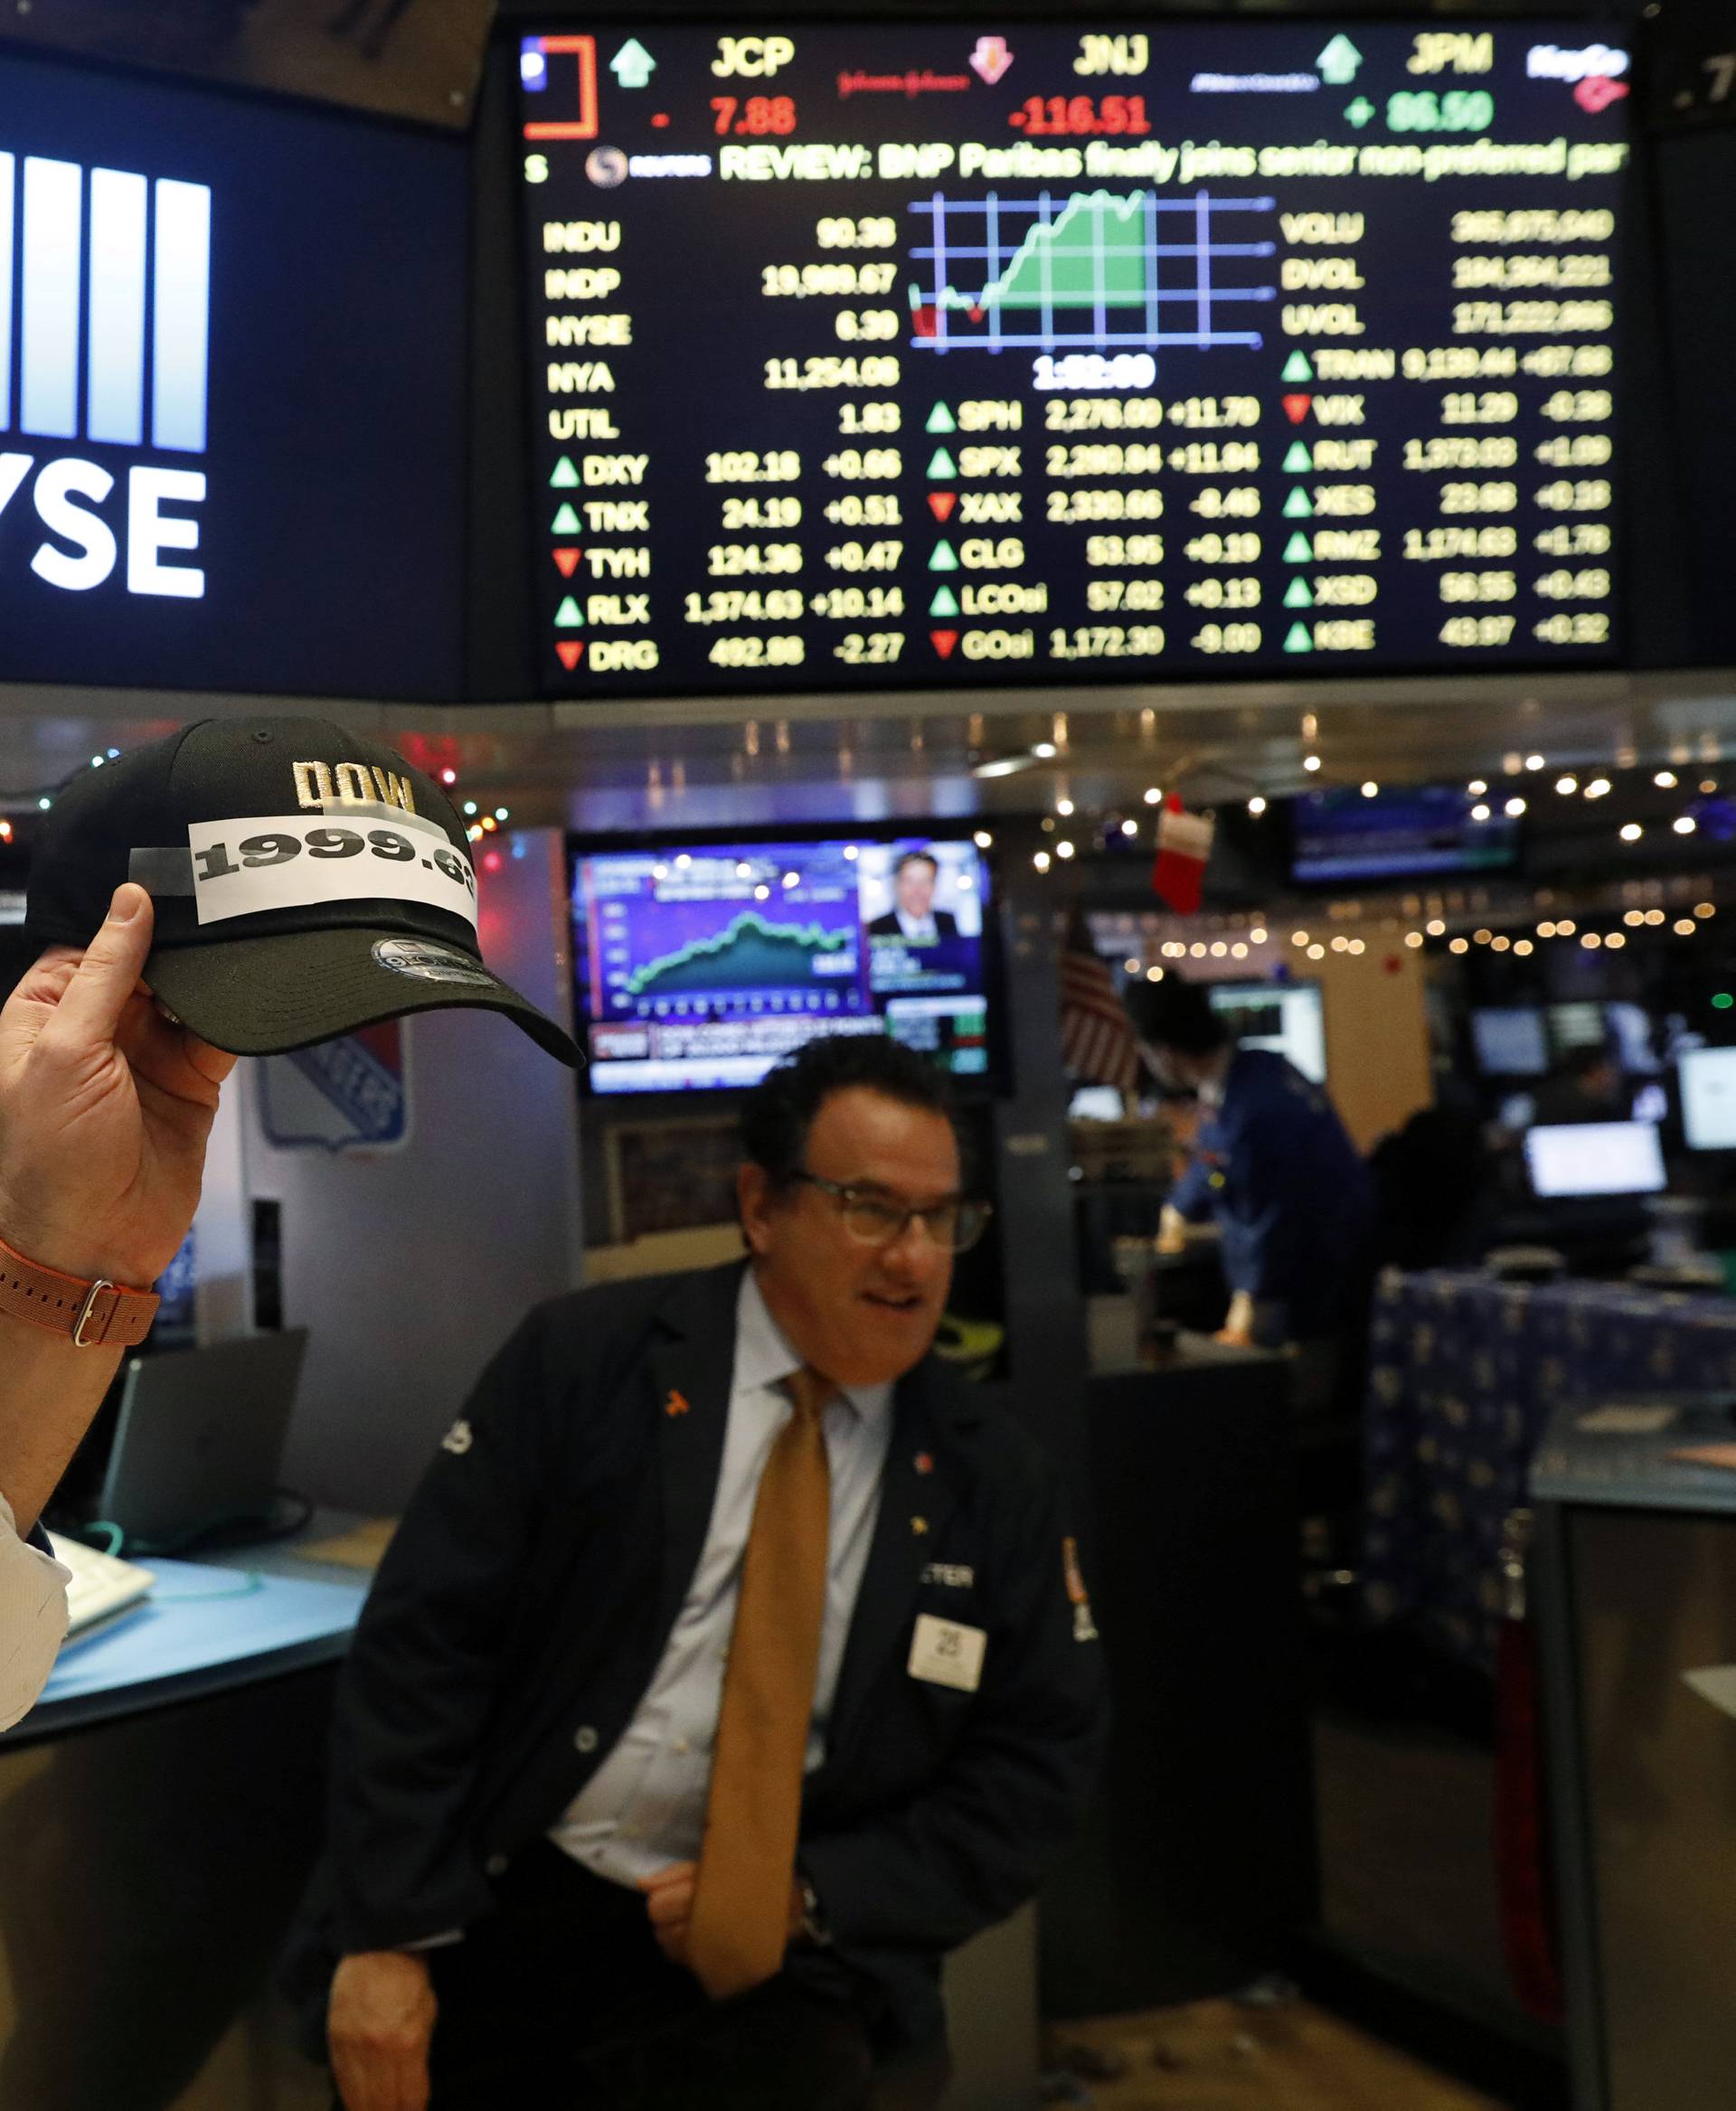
x=996, y=1082
x=1633, y=284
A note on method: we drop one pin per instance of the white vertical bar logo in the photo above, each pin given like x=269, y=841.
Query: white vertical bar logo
x=6, y=209
x=112, y=295
x=181, y=304
x=115, y=386
x=49, y=335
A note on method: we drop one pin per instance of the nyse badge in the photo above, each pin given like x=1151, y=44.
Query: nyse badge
x=947, y=1652
x=676, y=1404
x=458, y=1439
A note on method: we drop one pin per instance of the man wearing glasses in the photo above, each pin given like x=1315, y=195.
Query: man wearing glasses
x=729, y=1666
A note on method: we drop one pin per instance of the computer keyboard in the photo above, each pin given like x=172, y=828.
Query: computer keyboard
x=101, y=1588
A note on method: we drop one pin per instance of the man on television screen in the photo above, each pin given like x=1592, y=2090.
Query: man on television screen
x=913, y=918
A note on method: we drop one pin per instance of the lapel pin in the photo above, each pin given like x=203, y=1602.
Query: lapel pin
x=925, y=1462
x=919, y=1525
x=676, y=1404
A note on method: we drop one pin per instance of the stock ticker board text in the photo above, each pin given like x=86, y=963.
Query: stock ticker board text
x=920, y=356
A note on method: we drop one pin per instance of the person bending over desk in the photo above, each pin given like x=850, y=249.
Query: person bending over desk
x=1271, y=1164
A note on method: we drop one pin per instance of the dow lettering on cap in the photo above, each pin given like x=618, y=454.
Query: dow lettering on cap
x=351, y=784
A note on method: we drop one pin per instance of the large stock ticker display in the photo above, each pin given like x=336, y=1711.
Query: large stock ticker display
x=908, y=355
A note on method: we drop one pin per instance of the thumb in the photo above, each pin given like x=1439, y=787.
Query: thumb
x=92, y=1003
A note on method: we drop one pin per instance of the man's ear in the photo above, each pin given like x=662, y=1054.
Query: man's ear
x=753, y=1205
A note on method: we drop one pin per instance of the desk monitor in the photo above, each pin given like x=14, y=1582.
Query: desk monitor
x=1510, y=1041
x=1573, y=1159
x=1097, y=1103
x=1574, y=1026
x=1709, y=1098
x=1285, y=1018
x=200, y=1437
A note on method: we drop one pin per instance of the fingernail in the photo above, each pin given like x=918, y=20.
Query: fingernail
x=124, y=908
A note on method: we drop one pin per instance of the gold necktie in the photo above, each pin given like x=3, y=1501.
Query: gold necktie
x=740, y=1923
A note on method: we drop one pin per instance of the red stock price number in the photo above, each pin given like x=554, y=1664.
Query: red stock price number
x=754, y=117
x=1045, y=115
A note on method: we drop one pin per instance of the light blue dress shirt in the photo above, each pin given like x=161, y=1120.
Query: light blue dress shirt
x=645, y=1806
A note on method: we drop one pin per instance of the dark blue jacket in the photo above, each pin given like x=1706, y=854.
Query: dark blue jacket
x=524, y=1602
x=1292, y=1198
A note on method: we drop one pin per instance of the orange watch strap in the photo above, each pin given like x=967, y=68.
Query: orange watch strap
x=98, y=1314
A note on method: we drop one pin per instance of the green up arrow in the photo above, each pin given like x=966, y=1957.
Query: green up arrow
x=565, y=476
x=1297, y=368
x=633, y=65
x=1297, y=507
x=1298, y=550
x=943, y=559
x=1299, y=458
x=940, y=419
x=567, y=616
x=1338, y=62
x=941, y=464
x=1300, y=640
x=945, y=602
x=1297, y=595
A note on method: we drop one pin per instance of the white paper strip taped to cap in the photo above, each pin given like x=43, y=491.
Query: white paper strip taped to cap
x=298, y=860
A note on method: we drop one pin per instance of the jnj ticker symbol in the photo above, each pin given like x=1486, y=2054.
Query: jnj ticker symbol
x=149, y=246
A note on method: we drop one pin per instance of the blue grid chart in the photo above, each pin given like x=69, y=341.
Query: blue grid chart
x=1139, y=271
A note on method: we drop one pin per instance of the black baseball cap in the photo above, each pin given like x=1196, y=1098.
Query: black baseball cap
x=305, y=882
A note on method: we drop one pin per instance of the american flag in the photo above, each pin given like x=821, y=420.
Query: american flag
x=1096, y=1037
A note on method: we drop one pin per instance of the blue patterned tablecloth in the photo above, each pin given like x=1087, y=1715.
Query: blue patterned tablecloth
x=1465, y=1374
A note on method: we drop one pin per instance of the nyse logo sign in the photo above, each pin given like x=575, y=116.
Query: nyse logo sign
x=109, y=281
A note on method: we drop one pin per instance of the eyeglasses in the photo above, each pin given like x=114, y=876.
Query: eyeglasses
x=875, y=1220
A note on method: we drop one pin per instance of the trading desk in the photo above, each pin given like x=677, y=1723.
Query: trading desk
x=1465, y=1372
x=159, y=1810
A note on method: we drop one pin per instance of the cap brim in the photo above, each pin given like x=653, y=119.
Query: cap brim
x=266, y=995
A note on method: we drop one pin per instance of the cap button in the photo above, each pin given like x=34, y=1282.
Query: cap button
x=263, y=739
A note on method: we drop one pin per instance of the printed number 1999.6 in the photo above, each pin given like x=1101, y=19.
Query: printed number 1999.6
x=278, y=847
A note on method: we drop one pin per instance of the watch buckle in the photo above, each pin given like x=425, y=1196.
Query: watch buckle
x=86, y=1309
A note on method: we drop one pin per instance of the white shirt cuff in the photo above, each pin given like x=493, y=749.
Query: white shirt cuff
x=33, y=1618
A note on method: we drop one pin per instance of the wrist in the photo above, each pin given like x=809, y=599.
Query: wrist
x=68, y=1248
x=86, y=1311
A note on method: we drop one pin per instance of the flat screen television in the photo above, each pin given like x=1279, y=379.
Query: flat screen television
x=1099, y=348
x=1341, y=835
x=700, y=963
x=232, y=388
x=1576, y=1025
x=1287, y=1018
